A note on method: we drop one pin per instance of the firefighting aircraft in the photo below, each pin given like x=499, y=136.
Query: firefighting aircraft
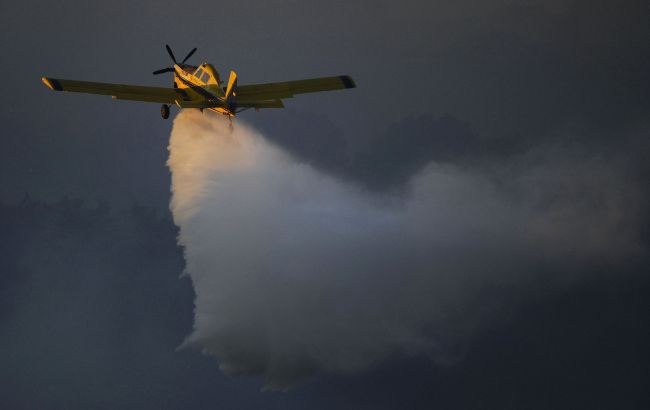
x=201, y=87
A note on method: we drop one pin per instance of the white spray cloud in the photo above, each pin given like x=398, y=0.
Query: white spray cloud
x=296, y=272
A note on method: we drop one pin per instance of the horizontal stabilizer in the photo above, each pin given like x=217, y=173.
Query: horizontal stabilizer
x=197, y=104
x=261, y=104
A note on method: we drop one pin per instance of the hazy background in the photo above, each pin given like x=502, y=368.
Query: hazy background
x=546, y=102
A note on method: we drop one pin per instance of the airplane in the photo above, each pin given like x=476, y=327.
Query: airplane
x=201, y=87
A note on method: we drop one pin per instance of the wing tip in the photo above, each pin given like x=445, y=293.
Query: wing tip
x=347, y=81
x=52, y=84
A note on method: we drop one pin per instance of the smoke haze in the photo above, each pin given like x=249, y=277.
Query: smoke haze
x=297, y=272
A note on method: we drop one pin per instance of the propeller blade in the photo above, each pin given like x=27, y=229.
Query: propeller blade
x=169, y=50
x=163, y=70
x=188, y=55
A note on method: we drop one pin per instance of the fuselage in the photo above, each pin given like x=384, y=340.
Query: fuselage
x=202, y=83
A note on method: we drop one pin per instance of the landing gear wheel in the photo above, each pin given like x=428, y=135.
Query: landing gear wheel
x=164, y=111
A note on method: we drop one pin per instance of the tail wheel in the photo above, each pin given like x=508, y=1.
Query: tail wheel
x=164, y=111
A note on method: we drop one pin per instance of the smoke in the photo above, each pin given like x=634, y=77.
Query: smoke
x=296, y=272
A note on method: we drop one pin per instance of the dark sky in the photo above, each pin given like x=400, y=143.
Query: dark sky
x=547, y=101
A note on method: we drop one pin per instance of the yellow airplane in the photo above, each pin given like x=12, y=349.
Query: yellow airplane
x=201, y=87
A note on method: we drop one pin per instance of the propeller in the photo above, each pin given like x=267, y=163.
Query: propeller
x=163, y=70
x=169, y=50
x=171, y=54
x=188, y=55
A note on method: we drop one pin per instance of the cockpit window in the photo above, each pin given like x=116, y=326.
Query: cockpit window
x=198, y=73
x=206, y=77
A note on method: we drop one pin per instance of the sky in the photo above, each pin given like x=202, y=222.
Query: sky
x=508, y=139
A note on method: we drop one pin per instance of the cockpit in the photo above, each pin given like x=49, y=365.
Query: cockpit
x=205, y=73
x=202, y=75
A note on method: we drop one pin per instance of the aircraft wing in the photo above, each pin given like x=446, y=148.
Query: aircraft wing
x=118, y=91
x=287, y=89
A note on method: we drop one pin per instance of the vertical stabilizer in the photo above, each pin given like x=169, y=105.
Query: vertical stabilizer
x=232, y=85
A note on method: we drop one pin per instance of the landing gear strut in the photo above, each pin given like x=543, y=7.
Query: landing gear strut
x=164, y=111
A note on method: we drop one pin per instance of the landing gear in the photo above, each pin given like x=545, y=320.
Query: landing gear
x=230, y=126
x=164, y=111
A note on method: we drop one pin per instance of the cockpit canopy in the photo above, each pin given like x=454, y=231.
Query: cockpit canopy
x=206, y=73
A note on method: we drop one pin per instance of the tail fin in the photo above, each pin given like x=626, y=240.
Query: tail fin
x=232, y=85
